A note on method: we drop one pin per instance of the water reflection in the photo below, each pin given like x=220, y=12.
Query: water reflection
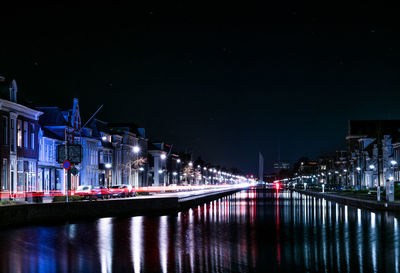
x=247, y=232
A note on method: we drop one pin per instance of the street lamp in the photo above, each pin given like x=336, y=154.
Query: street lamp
x=393, y=163
x=178, y=161
x=136, y=149
x=358, y=177
x=371, y=167
x=163, y=156
x=190, y=164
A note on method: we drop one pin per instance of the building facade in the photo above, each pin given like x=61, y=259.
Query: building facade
x=19, y=143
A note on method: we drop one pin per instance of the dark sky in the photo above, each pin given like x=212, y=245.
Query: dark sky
x=222, y=80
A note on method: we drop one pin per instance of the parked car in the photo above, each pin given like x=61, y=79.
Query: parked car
x=117, y=191
x=85, y=191
x=101, y=192
x=92, y=192
x=129, y=190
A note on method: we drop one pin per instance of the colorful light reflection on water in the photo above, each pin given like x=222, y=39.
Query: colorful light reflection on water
x=247, y=232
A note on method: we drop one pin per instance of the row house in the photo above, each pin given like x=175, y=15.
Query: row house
x=50, y=175
x=131, y=162
x=54, y=123
x=19, y=142
x=122, y=153
x=89, y=167
x=158, y=172
x=363, y=149
x=108, y=148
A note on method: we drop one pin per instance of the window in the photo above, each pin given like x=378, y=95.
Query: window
x=5, y=130
x=12, y=136
x=101, y=157
x=4, y=175
x=25, y=134
x=19, y=133
x=32, y=136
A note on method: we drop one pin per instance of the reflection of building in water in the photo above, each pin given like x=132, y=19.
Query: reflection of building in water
x=136, y=240
x=105, y=245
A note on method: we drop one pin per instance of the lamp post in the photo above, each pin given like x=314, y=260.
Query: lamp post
x=393, y=164
x=378, y=189
x=358, y=177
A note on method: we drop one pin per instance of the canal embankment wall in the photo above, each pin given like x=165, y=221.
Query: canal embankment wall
x=355, y=202
x=49, y=213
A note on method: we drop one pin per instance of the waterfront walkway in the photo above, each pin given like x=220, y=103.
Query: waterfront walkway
x=162, y=203
x=356, y=201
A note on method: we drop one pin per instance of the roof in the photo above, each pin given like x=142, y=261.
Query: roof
x=52, y=116
x=48, y=133
x=98, y=126
x=127, y=126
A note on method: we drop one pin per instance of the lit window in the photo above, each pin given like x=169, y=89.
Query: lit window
x=32, y=136
x=12, y=136
x=5, y=130
x=19, y=129
x=25, y=134
x=4, y=175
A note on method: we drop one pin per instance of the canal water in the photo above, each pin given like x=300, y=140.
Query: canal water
x=251, y=231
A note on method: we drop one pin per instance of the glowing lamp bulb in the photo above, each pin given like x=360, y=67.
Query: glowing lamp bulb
x=136, y=149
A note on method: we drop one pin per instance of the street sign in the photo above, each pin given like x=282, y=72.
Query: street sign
x=66, y=164
x=74, y=154
x=75, y=171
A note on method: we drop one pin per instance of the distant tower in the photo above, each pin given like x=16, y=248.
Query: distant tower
x=260, y=167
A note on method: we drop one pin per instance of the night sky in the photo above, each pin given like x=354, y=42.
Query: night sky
x=224, y=81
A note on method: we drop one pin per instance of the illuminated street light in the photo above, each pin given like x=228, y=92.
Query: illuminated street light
x=163, y=156
x=371, y=167
x=108, y=165
x=141, y=169
x=393, y=162
x=190, y=164
x=136, y=149
x=178, y=161
x=104, y=138
x=160, y=171
x=358, y=169
x=174, y=173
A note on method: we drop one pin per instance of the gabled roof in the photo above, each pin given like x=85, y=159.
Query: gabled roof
x=52, y=116
x=48, y=133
